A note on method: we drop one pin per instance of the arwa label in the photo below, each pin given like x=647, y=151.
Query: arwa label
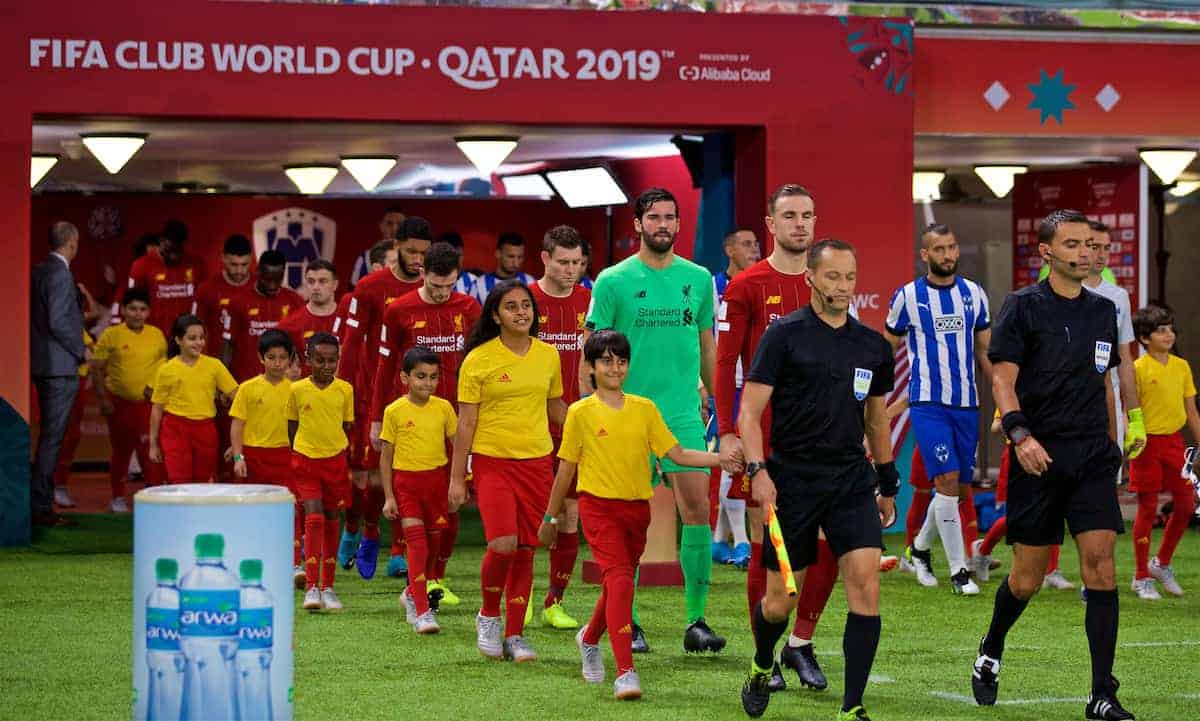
x=257, y=630
x=208, y=613
x=162, y=629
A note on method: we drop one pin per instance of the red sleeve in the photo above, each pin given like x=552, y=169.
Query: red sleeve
x=358, y=319
x=385, y=369
x=732, y=335
x=137, y=274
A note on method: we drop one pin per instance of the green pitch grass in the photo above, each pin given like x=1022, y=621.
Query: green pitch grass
x=66, y=635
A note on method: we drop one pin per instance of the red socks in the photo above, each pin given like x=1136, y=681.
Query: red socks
x=1177, y=524
x=329, y=557
x=614, y=613
x=1143, y=524
x=314, y=531
x=970, y=521
x=916, y=515
x=354, y=514
x=445, y=548
x=994, y=535
x=1052, y=564
x=756, y=579
x=373, y=499
x=398, y=538
x=297, y=533
x=819, y=581
x=562, y=565
x=418, y=554
x=493, y=574
x=517, y=590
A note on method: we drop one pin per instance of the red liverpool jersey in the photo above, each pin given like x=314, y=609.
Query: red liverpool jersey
x=172, y=288
x=212, y=305
x=364, y=316
x=411, y=321
x=250, y=315
x=754, y=298
x=560, y=323
x=300, y=325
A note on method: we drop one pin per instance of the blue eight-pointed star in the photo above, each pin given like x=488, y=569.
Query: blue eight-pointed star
x=1051, y=96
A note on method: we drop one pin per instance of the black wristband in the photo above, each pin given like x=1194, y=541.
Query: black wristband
x=1011, y=420
x=889, y=479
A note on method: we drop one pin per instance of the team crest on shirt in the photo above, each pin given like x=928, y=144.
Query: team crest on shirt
x=458, y=323
x=543, y=319
x=1103, y=351
x=580, y=319
x=160, y=276
x=284, y=310
x=862, y=382
x=187, y=275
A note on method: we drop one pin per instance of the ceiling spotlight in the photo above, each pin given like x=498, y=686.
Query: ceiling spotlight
x=587, y=187
x=1167, y=163
x=368, y=170
x=486, y=153
x=999, y=178
x=38, y=167
x=181, y=186
x=311, y=179
x=925, y=185
x=1184, y=187
x=532, y=185
x=113, y=150
x=216, y=188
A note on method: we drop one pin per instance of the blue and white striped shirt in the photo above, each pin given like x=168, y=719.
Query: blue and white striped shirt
x=484, y=284
x=940, y=324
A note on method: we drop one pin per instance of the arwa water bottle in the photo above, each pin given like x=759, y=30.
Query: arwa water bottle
x=209, y=598
x=163, y=658
x=257, y=629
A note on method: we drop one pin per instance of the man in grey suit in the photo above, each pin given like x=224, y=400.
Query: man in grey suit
x=56, y=352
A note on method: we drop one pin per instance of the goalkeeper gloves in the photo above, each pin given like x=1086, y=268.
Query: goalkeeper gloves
x=1134, y=433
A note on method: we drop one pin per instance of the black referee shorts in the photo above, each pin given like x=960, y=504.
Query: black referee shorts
x=839, y=500
x=1078, y=490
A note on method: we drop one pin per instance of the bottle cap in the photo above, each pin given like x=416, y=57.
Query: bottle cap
x=210, y=545
x=251, y=570
x=166, y=570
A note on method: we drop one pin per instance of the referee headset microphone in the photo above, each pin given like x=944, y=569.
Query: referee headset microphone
x=828, y=298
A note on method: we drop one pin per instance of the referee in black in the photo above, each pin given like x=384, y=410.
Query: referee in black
x=1052, y=346
x=819, y=369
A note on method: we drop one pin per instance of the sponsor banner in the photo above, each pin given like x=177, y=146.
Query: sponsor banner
x=1111, y=195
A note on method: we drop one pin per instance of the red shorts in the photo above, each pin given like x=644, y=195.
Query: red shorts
x=322, y=479
x=512, y=495
x=1002, y=479
x=615, y=529
x=739, y=490
x=423, y=495
x=189, y=448
x=917, y=476
x=1156, y=470
x=272, y=466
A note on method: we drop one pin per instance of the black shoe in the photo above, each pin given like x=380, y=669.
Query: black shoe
x=756, y=694
x=639, y=643
x=777, y=682
x=1107, y=708
x=803, y=661
x=699, y=637
x=435, y=599
x=985, y=678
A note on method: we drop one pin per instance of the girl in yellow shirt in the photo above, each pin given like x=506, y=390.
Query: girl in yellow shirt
x=509, y=390
x=183, y=432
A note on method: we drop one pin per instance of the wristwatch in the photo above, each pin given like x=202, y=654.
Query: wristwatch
x=753, y=468
x=1018, y=435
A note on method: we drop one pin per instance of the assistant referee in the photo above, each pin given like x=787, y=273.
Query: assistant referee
x=1052, y=347
x=820, y=370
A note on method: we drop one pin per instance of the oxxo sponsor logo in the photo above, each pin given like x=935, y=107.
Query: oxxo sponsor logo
x=949, y=324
